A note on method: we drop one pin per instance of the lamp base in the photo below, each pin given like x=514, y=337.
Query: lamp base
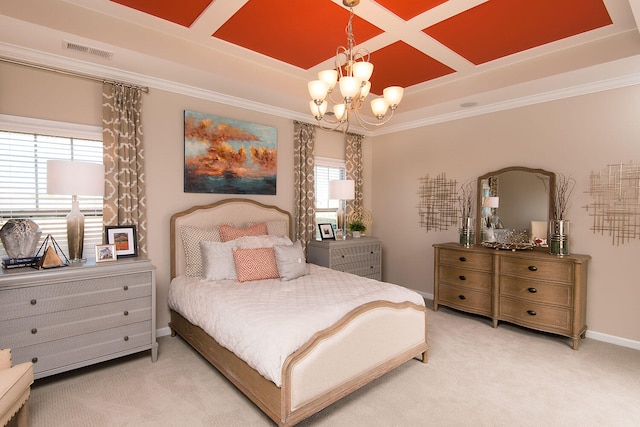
x=75, y=232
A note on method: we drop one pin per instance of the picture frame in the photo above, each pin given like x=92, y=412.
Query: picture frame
x=106, y=252
x=326, y=232
x=124, y=238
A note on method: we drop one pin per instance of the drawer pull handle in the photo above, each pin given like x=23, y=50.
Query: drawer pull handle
x=34, y=360
x=126, y=338
x=126, y=313
x=34, y=331
x=532, y=290
x=462, y=277
x=126, y=288
x=531, y=312
x=463, y=259
x=462, y=297
x=533, y=268
x=33, y=302
x=341, y=256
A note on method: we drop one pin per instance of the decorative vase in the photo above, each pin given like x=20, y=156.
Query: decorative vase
x=467, y=232
x=559, y=237
x=20, y=237
x=356, y=234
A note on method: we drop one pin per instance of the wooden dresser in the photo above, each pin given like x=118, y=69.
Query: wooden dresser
x=531, y=288
x=69, y=317
x=361, y=256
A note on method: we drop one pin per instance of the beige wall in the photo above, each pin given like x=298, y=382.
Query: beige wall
x=573, y=136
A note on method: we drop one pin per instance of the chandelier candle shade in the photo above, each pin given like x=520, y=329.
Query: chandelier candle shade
x=73, y=178
x=343, y=190
x=352, y=73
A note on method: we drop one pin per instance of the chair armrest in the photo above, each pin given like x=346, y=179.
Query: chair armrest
x=5, y=358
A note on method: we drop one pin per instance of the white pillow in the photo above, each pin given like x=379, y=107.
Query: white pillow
x=266, y=241
x=291, y=261
x=217, y=260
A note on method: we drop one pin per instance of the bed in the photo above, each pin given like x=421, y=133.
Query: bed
x=358, y=346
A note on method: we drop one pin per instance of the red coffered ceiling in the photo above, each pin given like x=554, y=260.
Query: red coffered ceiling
x=410, y=41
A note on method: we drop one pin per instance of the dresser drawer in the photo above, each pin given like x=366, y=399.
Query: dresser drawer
x=63, y=324
x=474, y=260
x=537, y=269
x=35, y=300
x=478, y=280
x=535, y=315
x=355, y=255
x=366, y=268
x=465, y=299
x=558, y=294
x=82, y=348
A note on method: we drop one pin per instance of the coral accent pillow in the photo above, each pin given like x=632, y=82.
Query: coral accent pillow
x=229, y=232
x=255, y=264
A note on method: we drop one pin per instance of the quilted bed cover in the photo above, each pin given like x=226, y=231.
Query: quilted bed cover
x=264, y=321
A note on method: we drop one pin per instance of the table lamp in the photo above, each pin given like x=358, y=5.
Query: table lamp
x=343, y=190
x=74, y=178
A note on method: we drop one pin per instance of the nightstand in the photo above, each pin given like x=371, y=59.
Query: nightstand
x=65, y=318
x=362, y=256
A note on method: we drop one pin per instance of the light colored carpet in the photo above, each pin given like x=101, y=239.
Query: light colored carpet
x=476, y=376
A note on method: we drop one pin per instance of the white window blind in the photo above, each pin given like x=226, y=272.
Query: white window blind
x=327, y=169
x=23, y=183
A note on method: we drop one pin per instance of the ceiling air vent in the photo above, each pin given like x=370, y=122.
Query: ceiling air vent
x=87, y=49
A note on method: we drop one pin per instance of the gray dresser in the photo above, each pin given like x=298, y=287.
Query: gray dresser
x=362, y=256
x=69, y=317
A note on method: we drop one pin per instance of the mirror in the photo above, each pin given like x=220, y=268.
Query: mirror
x=511, y=198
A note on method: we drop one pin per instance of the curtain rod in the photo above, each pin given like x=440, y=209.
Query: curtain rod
x=71, y=73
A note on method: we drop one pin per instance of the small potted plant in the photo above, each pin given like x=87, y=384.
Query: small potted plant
x=357, y=227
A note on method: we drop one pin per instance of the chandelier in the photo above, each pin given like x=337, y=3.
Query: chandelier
x=352, y=73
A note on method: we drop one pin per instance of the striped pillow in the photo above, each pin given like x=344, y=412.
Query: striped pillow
x=255, y=264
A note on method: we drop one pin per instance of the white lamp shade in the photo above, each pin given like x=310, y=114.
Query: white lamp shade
x=379, y=107
x=330, y=77
x=318, y=89
x=393, y=95
x=362, y=70
x=364, y=91
x=318, y=110
x=491, y=202
x=73, y=178
x=339, y=110
x=342, y=189
x=349, y=87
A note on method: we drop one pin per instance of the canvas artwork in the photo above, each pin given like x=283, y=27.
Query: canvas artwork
x=228, y=156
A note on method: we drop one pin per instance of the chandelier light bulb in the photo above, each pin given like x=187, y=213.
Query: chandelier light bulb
x=349, y=87
x=340, y=111
x=318, y=110
x=362, y=70
x=318, y=90
x=393, y=95
x=330, y=77
x=379, y=107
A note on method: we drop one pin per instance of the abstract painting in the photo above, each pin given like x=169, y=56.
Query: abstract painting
x=228, y=156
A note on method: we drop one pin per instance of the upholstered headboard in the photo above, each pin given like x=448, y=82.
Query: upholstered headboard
x=236, y=212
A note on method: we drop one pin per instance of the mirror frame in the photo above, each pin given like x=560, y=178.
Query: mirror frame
x=552, y=193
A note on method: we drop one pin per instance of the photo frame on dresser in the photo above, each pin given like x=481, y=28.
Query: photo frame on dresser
x=124, y=238
x=326, y=232
x=106, y=253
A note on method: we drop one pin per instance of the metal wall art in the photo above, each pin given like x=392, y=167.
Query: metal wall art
x=616, y=202
x=438, y=207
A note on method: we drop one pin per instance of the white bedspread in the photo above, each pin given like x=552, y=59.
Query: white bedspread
x=265, y=321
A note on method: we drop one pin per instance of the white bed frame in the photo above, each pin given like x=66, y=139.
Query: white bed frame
x=365, y=344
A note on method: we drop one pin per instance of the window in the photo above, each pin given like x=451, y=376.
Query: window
x=25, y=147
x=326, y=170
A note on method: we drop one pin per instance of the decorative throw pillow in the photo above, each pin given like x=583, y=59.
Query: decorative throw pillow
x=255, y=264
x=191, y=238
x=251, y=242
x=291, y=261
x=217, y=260
x=229, y=232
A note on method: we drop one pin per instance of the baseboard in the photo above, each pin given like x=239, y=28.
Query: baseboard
x=163, y=332
x=598, y=336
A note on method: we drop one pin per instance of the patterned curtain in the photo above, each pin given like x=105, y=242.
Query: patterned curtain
x=304, y=139
x=353, y=158
x=125, y=200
